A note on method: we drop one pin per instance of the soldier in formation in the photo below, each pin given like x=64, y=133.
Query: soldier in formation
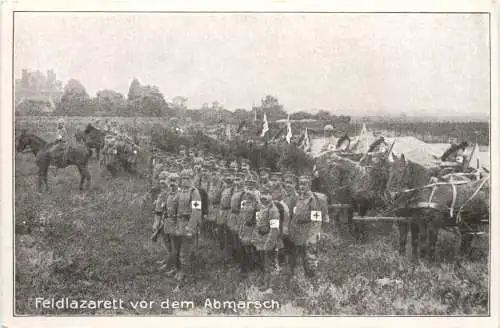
x=261, y=222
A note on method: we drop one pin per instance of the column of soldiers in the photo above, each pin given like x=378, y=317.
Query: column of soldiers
x=264, y=222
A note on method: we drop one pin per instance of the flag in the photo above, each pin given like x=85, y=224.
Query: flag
x=289, y=128
x=473, y=161
x=362, y=143
x=306, y=143
x=228, y=132
x=265, y=126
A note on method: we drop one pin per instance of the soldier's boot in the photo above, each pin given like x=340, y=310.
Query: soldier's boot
x=237, y=247
x=244, y=262
x=186, y=259
x=219, y=231
x=292, y=261
x=261, y=274
x=175, y=259
x=268, y=267
x=228, y=245
x=311, y=264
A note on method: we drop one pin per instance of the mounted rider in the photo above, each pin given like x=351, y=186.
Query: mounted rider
x=62, y=141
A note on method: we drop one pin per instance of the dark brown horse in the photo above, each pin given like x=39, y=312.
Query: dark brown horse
x=429, y=207
x=80, y=136
x=44, y=157
x=94, y=139
x=359, y=184
x=405, y=175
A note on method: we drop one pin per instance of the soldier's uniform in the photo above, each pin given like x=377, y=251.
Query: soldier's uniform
x=291, y=194
x=249, y=206
x=158, y=167
x=189, y=219
x=166, y=211
x=308, y=214
x=275, y=179
x=264, y=175
x=216, y=185
x=225, y=210
x=62, y=141
x=232, y=240
x=234, y=166
x=245, y=165
x=266, y=238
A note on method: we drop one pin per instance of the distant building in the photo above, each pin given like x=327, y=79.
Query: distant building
x=36, y=93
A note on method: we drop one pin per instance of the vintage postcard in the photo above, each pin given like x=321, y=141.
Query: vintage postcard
x=302, y=161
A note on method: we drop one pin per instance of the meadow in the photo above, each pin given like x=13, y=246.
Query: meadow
x=95, y=245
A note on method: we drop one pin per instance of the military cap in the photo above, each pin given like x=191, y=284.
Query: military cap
x=305, y=178
x=266, y=188
x=240, y=176
x=264, y=171
x=186, y=173
x=290, y=178
x=173, y=175
x=198, y=160
x=163, y=176
x=250, y=179
x=275, y=176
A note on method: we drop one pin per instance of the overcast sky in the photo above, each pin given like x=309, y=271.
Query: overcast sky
x=349, y=63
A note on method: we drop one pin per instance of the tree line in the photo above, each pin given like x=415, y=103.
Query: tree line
x=148, y=101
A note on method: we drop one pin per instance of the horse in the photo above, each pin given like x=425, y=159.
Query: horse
x=44, y=157
x=357, y=184
x=94, y=139
x=122, y=156
x=80, y=136
x=404, y=175
x=431, y=206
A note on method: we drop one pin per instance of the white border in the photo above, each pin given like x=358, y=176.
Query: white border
x=6, y=132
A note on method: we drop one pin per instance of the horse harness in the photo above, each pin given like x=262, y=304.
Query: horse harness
x=434, y=205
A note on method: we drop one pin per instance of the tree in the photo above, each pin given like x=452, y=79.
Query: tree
x=74, y=100
x=179, y=102
x=134, y=90
x=111, y=102
x=271, y=106
x=146, y=101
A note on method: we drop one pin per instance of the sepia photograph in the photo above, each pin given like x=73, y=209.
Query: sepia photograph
x=241, y=163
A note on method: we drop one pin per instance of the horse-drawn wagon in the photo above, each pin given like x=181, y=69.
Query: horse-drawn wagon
x=385, y=188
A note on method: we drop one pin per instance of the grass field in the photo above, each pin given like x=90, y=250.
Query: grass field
x=95, y=245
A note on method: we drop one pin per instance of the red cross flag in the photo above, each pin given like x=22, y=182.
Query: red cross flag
x=316, y=216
